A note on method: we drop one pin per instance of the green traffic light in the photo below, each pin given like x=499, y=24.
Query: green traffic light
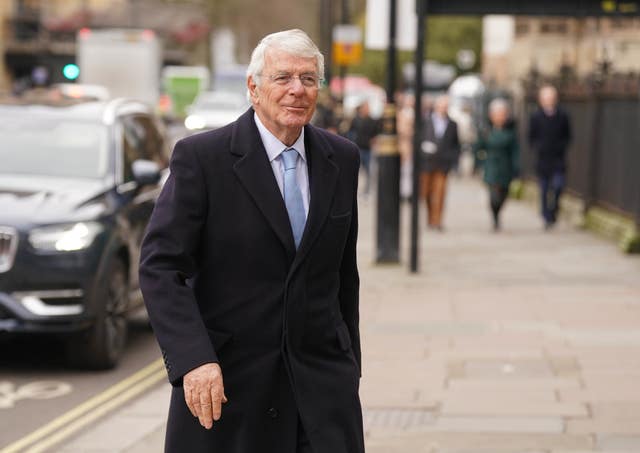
x=71, y=71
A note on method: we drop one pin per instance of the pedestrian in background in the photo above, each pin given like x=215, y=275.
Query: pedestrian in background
x=363, y=131
x=440, y=152
x=549, y=137
x=325, y=115
x=501, y=155
x=404, y=128
x=249, y=272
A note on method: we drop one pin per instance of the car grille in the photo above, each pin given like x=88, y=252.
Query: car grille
x=4, y=314
x=8, y=246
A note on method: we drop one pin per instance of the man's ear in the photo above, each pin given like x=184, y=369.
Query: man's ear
x=253, y=88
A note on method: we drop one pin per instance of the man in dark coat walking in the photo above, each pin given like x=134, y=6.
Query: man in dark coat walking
x=549, y=136
x=249, y=273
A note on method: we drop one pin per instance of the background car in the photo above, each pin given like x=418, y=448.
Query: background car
x=78, y=182
x=214, y=109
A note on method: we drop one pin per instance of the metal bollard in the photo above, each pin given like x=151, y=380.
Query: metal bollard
x=388, y=200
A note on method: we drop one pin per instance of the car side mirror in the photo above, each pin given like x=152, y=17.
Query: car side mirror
x=145, y=172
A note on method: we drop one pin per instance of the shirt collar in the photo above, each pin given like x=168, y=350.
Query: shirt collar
x=437, y=117
x=273, y=146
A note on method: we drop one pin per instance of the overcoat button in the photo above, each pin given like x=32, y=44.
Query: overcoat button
x=272, y=412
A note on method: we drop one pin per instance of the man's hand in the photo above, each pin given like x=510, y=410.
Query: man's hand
x=204, y=393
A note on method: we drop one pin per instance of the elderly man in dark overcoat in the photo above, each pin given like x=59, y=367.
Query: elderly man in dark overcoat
x=249, y=273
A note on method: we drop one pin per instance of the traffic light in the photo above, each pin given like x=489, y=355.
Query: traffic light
x=71, y=71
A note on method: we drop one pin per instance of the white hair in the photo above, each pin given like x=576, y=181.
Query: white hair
x=499, y=104
x=294, y=42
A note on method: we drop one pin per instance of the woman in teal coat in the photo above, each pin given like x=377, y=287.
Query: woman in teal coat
x=501, y=156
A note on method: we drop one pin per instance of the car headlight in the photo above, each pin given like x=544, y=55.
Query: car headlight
x=193, y=122
x=65, y=238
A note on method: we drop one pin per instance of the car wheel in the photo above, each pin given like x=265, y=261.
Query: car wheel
x=101, y=346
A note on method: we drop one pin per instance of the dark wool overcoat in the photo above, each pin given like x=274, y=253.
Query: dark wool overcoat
x=549, y=136
x=223, y=282
x=447, y=147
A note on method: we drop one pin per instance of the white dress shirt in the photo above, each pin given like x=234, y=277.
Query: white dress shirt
x=440, y=124
x=274, y=149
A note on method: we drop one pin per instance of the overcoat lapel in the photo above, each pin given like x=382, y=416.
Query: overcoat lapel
x=447, y=130
x=323, y=176
x=430, y=132
x=256, y=175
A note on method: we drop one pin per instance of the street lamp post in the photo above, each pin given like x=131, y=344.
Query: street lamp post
x=422, y=6
x=326, y=25
x=343, y=68
x=388, y=162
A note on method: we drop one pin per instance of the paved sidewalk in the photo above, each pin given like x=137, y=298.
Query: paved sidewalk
x=522, y=341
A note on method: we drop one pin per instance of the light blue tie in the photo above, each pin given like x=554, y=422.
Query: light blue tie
x=293, y=195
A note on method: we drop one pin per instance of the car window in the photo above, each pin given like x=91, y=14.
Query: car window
x=141, y=140
x=154, y=146
x=53, y=146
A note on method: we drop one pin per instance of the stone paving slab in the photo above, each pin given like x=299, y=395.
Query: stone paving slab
x=434, y=442
x=609, y=394
x=408, y=347
x=500, y=395
x=498, y=424
x=501, y=407
x=605, y=426
x=457, y=354
x=618, y=442
x=105, y=437
x=522, y=384
x=564, y=365
x=152, y=442
x=513, y=369
x=127, y=427
x=592, y=451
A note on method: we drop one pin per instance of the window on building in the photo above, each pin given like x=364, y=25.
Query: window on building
x=522, y=28
x=555, y=27
x=624, y=23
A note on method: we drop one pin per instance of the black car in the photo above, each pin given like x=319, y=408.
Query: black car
x=77, y=186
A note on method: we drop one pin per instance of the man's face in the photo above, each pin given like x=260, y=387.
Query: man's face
x=499, y=116
x=364, y=109
x=548, y=98
x=284, y=108
x=442, y=106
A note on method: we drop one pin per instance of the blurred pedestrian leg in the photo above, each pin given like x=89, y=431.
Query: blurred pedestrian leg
x=365, y=165
x=550, y=191
x=433, y=191
x=497, y=195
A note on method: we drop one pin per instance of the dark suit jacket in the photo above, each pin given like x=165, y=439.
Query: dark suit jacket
x=447, y=147
x=550, y=136
x=223, y=282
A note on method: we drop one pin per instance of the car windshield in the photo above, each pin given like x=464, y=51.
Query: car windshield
x=53, y=147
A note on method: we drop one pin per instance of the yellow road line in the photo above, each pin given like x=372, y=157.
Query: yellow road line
x=92, y=416
x=155, y=370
